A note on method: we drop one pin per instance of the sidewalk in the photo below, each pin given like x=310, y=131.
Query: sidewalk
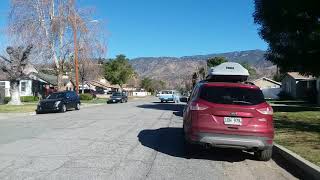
x=4, y=116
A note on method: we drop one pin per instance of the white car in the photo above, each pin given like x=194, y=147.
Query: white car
x=169, y=95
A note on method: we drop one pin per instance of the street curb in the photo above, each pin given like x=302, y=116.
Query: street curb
x=309, y=169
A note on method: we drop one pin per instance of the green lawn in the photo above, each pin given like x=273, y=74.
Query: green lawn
x=298, y=129
x=27, y=107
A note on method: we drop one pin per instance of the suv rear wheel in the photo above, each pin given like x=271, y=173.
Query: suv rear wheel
x=263, y=155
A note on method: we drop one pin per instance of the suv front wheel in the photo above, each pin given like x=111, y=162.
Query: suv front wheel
x=78, y=106
x=263, y=155
x=63, y=108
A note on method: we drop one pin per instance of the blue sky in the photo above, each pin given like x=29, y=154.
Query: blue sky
x=172, y=27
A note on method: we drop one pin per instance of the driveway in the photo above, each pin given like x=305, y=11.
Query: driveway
x=141, y=139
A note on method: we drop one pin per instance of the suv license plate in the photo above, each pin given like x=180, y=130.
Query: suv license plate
x=232, y=121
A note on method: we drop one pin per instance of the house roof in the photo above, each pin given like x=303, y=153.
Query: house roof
x=103, y=85
x=267, y=79
x=297, y=76
x=49, y=78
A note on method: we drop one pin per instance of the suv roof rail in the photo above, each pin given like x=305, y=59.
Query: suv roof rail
x=241, y=82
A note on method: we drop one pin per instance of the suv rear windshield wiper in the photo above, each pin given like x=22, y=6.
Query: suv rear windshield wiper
x=242, y=102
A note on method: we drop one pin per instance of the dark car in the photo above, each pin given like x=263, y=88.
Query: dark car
x=118, y=97
x=59, y=102
x=229, y=115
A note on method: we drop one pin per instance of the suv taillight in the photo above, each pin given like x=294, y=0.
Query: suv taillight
x=266, y=111
x=197, y=106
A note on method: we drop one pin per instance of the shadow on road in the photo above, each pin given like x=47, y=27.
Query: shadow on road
x=170, y=141
x=177, y=108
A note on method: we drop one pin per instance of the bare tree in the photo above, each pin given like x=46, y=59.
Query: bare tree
x=49, y=25
x=88, y=70
x=14, y=67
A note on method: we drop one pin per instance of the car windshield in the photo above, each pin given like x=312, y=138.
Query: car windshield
x=56, y=96
x=232, y=95
x=166, y=92
x=117, y=94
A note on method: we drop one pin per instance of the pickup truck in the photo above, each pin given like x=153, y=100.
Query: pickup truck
x=169, y=95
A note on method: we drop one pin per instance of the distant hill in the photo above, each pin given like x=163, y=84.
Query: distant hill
x=175, y=71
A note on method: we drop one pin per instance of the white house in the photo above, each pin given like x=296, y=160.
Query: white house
x=269, y=87
x=25, y=87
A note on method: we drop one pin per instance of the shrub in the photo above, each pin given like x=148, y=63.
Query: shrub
x=29, y=98
x=23, y=99
x=7, y=99
x=86, y=97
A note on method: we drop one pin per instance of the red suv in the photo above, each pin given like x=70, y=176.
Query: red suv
x=229, y=115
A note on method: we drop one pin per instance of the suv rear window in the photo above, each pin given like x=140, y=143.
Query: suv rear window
x=232, y=95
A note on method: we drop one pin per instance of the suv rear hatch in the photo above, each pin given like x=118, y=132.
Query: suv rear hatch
x=233, y=110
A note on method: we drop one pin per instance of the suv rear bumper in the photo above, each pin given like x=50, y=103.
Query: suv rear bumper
x=233, y=141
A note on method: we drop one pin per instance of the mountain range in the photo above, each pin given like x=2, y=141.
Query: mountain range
x=176, y=71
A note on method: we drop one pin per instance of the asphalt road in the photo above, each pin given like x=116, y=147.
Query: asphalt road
x=137, y=140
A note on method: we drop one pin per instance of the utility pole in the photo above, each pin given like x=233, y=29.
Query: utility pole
x=76, y=64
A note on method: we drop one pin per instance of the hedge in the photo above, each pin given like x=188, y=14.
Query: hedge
x=86, y=97
x=29, y=98
x=23, y=99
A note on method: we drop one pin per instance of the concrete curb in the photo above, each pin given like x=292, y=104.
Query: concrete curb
x=309, y=169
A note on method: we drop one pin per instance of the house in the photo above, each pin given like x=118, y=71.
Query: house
x=25, y=85
x=299, y=86
x=269, y=87
x=266, y=83
x=101, y=85
x=35, y=84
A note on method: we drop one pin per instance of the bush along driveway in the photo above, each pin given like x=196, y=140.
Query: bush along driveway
x=298, y=128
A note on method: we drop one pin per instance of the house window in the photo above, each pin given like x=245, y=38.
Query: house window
x=2, y=84
x=23, y=86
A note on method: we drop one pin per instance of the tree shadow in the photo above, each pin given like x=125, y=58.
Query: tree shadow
x=297, y=125
x=290, y=108
x=176, y=108
x=170, y=141
x=292, y=102
x=293, y=169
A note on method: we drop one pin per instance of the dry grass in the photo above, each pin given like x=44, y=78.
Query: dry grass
x=30, y=107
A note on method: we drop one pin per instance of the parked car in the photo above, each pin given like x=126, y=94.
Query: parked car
x=118, y=97
x=169, y=95
x=229, y=115
x=59, y=102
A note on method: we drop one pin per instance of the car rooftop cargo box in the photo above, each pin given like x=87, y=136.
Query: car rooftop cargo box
x=228, y=72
